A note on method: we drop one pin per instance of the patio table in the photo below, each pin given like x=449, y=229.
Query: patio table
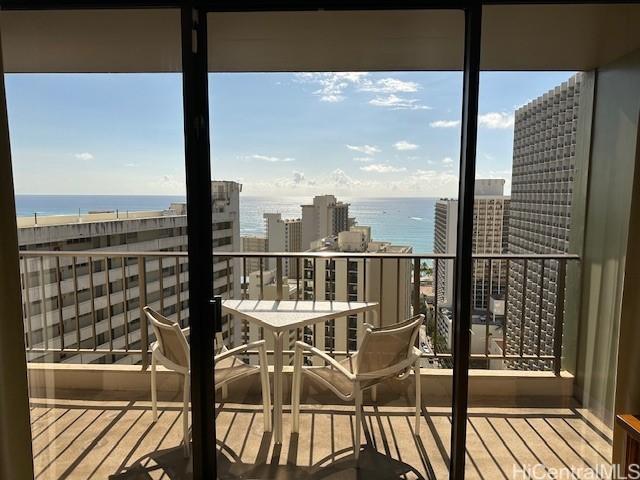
x=279, y=316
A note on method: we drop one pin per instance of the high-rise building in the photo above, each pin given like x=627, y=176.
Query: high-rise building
x=544, y=153
x=284, y=235
x=325, y=217
x=149, y=231
x=387, y=281
x=491, y=214
x=253, y=243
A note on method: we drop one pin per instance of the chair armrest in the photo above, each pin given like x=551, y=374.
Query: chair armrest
x=330, y=360
x=186, y=331
x=260, y=345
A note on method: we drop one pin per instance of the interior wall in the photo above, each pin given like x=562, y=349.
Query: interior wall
x=607, y=229
x=627, y=387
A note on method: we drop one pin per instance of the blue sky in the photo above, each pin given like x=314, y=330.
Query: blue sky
x=352, y=134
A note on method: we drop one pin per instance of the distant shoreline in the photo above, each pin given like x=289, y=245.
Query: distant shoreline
x=401, y=220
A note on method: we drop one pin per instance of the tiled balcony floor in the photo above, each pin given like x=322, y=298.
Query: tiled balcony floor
x=95, y=437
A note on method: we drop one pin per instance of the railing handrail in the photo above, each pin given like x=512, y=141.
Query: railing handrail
x=307, y=254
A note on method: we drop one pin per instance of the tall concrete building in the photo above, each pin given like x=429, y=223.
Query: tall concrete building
x=253, y=243
x=387, y=281
x=149, y=231
x=544, y=154
x=325, y=217
x=284, y=235
x=490, y=225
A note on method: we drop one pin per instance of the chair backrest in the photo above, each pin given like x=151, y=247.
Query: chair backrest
x=384, y=347
x=171, y=341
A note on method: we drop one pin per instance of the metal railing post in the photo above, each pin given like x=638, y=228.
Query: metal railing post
x=559, y=323
x=60, y=313
x=279, y=278
x=27, y=297
x=144, y=329
x=416, y=286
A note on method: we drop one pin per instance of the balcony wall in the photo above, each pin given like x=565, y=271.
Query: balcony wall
x=485, y=386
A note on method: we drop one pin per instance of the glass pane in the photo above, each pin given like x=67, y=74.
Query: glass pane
x=97, y=147
x=528, y=220
x=341, y=163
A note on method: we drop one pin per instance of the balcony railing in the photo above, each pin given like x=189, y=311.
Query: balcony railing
x=86, y=306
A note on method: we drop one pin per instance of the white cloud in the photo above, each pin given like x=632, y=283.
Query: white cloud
x=382, y=168
x=362, y=159
x=435, y=179
x=447, y=160
x=266, y=158
x=440, y=184
x=130, y=165
x=341, y=179
x=496, y=120
x=332, y=85
x=398, y=103
x=84, y=156
x=299, y=178
x=389, y=85
x=169, y=184
x=366, y=149
x=403, y=145
x=445, y=123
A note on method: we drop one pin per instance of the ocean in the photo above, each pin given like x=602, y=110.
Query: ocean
x=403, y=221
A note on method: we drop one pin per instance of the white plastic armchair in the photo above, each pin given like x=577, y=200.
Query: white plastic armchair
x=171, y=350
x=385, y=352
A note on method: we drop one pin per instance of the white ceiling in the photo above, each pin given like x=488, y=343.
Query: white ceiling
x=522, y=37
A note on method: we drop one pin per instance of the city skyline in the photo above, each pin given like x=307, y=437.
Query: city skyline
x=383, y=134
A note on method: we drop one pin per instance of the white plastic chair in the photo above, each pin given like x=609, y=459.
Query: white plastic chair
x=385, y=352
x=171, y=350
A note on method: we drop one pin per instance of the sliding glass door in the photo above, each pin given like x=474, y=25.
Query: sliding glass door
x=363, y=122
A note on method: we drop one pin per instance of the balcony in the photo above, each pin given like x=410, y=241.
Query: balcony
x=89, y=381
x=103, y=428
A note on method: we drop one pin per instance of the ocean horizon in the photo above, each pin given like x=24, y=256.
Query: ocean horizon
x=400, y=220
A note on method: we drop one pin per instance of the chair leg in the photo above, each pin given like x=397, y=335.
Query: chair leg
x=416, y=375
x=266, y=390
x=296, y=387
x=185, y=415
x=224, y=391
x=356, y=439
x=154, y=393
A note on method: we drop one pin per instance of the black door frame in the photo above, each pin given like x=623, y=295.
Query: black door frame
x=200, y=238
x=198, y=184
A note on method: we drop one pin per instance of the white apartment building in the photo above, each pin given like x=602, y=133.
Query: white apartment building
x=52, y=278
x=266, y=287
x=387, y=281
x=544, y=159
x=324, y=217
x=253, y=243
x=490, y=226
x=284, y=235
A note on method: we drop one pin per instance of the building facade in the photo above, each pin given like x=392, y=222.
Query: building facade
x=284, y=235
x=52, y=281
x=490, y=226
x=387, y=281
x=253, y=243
x=324, y=217
x=544, y=159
